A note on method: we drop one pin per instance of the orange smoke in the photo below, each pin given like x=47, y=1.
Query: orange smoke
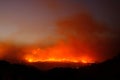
x=81, y=39
x=4, y=48
x=88, y=36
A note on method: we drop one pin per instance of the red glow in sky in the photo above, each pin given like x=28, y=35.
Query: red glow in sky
x=59, y=30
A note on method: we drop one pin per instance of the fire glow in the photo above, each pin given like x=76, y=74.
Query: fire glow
x=59, y=53
x=83, y=60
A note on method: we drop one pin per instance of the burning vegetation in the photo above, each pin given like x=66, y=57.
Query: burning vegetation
x=57, y=53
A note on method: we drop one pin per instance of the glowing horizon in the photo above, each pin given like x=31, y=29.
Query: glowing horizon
x=59, y=30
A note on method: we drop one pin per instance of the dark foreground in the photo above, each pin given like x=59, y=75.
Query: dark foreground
x=109, y=70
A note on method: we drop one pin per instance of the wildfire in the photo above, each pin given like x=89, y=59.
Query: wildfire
x=61, y=52
x=51, y=60
x=86, y=60
x=60, y=60
x=55, y=54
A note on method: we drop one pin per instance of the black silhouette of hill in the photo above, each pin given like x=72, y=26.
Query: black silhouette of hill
x=109, y=70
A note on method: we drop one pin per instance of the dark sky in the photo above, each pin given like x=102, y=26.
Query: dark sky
x=39, y=21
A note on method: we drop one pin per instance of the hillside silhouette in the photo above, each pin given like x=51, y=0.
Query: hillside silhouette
x=102, y=71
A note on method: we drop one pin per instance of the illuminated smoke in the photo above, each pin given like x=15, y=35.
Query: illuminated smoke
x=80, y=37
x=87, y=34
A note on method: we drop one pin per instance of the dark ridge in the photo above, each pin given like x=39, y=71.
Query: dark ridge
x=109, y=70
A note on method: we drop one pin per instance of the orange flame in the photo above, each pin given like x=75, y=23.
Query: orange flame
x=58, y=53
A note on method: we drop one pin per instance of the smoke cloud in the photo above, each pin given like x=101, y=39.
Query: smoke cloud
x=84, y=33
x=60, y=28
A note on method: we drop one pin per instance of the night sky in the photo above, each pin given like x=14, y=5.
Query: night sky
x=92, y=23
